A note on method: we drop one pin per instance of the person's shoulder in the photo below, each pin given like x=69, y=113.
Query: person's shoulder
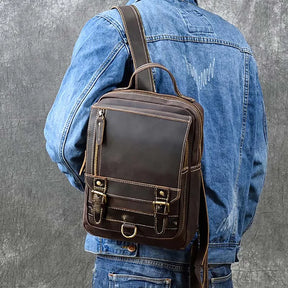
x=224, y=31
x=104, y=27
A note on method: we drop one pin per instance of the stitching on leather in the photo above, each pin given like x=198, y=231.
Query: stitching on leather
x=142, y=225
x=175, y=216
x=183, y=151
x=186, y=170
x=127, y=198
x=129, y=40
x=144, y=111
x=99, y=158
x=159, y=95
x=141, y=184
x=141, y=28
x=176, y=198
x=146, y=114
x=178, y=191
x=93, y=139
x=132, y=211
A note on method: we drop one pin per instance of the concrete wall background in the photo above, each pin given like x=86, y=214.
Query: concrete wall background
x=36, y=201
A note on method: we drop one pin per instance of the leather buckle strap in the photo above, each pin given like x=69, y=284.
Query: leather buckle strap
x=99, y=199
x=99, y=194
x=199, y=253
x=161, y=208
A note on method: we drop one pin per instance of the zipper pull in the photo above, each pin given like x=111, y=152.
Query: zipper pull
x=100, y=126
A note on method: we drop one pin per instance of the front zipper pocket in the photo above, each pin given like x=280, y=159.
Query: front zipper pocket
x=100, y=127
x=140, y=145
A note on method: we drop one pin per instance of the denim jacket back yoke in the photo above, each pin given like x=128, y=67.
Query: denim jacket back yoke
x=212, y=63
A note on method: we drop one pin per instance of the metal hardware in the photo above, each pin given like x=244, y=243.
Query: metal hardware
x=99, y=183
x=162, y=193
x=128, y=236
x=100, y=194
x=100, y=112
x=124, y=217
x=131, y=248
x=167, y=205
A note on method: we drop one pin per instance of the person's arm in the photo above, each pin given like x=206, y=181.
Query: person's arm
x=260, y=146
x=97, y=66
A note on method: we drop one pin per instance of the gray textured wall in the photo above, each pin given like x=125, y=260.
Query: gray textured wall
x=37, y=202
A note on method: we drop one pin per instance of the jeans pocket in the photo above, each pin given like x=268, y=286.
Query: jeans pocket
x=221, y=277
x=134, y=281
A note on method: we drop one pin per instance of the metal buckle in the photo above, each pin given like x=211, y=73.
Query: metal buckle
x=155, y=203
x=98, y=193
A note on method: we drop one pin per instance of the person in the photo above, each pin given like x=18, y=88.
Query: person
x=212, y=63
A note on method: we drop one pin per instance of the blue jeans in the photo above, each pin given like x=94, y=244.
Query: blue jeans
x=124, y=272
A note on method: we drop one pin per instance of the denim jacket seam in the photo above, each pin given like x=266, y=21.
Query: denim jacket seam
x=208, y=25
x=243, y=127
x=199, y=39
x=244, y=111
x=117, y=48
x=118, y=27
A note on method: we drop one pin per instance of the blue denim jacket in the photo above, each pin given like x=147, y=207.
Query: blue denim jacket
x=212, y=63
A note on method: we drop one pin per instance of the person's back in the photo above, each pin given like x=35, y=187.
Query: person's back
x=213, y=64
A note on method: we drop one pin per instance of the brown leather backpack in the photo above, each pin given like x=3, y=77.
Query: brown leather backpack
x=143, y=162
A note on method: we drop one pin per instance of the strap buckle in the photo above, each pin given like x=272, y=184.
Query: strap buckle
x=99, y=194
x=158, y=205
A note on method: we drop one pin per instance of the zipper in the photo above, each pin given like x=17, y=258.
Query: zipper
x=189, y=102
x=100, y=127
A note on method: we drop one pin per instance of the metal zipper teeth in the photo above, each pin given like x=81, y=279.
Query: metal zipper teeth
x=95, y=159
x=178, y=98
x=190, y=104
x=101, y=113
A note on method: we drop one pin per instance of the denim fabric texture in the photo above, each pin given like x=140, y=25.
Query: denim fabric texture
x=122, y=272
x=212, y=63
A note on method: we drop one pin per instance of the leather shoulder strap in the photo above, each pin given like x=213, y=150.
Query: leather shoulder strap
x=199, y=252
x=136, y=39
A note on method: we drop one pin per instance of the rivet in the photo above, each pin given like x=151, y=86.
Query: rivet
x=131, y=248
x=162, y=193
x=98, y=183
x=175, y=223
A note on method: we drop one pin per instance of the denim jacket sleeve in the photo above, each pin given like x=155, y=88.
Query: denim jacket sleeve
x=260, y=145
x=89, y=76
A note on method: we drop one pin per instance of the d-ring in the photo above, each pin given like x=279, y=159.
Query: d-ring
x=128, y=236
